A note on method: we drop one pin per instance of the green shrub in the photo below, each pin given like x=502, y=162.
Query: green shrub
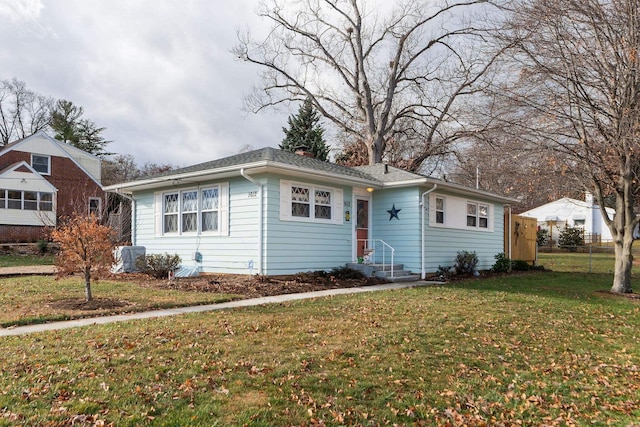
x=542, y=237
x=571, y=238
x=503, y=264
x=444, y=273
x=42, y=246
x=466, y=262
x=520, y=265
x=158, y=265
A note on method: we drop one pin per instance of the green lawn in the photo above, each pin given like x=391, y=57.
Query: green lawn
x=528, y=349
x=22, y=260
x=577, y=262
x=37, y=299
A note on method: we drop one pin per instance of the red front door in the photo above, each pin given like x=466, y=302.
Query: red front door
x=362, y=225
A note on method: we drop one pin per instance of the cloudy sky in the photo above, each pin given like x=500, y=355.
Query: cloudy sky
x=158, y=75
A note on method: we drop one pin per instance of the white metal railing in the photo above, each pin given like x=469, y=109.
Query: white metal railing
x=370, y=249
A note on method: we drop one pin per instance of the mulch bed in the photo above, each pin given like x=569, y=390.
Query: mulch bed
x=255, y=286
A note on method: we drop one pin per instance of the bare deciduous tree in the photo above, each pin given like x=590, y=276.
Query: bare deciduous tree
x=22, y=111
x=396, y=73
x=578, y=69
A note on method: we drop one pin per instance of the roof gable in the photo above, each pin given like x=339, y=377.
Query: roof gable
x=87, y=162
x=21, y=176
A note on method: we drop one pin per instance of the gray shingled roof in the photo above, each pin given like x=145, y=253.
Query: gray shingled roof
x=273, y=155
x=386, y=173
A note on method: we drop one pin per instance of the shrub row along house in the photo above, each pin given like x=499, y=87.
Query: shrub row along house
x=273, y=212
x=41, y=180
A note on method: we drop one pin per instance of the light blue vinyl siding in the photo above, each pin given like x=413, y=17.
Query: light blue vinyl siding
x=230, y=253
x=443, y=243
x=403, y=234
x=294, y=246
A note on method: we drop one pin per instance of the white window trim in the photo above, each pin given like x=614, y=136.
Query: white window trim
x=99, y=213
x=444, y=211
x=489, y=216
x=454, y=207
x=337, y=203
x=48, y=172
x=39, y=194
x=223, y=211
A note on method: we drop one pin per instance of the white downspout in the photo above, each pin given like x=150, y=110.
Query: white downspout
x=423, y=231
x=509, y=239
x=260, y=220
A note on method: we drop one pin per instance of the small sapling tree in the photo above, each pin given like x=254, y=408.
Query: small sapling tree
x=86, y=247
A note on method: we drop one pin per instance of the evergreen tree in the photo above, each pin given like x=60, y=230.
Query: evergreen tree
x=68, y=126
x=305, y=131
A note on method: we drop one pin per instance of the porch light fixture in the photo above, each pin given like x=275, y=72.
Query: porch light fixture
x=370, y=189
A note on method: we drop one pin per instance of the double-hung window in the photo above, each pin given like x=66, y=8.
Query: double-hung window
x=310, y=203
x=41, y=164
x=190, y=211
x=194, y=211
x=477, y=215
x=171, y=206
x=210, y=209
x=322, y=199
x=300, y=201
x=439, y=210
x=95, y=206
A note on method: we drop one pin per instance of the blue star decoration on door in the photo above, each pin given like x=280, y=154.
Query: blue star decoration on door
x=393, y=213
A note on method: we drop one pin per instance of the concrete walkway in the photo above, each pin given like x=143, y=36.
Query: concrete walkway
x=22, y=330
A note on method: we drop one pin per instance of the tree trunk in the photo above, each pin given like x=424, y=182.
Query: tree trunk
x=623, y=264
x=87, y=284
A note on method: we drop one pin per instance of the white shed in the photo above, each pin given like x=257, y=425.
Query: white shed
x=566, y=212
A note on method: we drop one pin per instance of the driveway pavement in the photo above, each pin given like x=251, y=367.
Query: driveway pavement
x=22, y=330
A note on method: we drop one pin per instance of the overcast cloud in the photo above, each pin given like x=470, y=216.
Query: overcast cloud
x=158, y=75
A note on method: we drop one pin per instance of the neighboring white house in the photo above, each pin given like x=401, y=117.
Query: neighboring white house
x=566, y=212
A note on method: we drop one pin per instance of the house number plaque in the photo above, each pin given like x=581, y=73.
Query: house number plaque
x=253, y=194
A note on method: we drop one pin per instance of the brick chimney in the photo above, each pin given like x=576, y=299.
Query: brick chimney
x=302, y=150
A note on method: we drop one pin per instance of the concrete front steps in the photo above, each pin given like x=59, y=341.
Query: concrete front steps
x=384, y=272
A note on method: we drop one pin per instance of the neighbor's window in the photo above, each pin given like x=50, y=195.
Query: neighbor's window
x=14, y=199
x=46, y=202
x=439, y=210
x=26, y=200
x=95, y=205
x=30, y=201
x=41, y=164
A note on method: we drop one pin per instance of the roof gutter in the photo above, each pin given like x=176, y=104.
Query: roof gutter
x=260, y=220
x=423, y=231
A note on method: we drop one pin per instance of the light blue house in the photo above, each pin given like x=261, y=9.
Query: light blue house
x=273, y=212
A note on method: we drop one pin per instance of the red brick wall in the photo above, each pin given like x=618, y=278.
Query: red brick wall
x=22, y=233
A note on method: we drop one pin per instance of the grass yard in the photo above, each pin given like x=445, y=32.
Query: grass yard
x=577, y=262
x=530, y=349
x=38, y=299
x=12, y=260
